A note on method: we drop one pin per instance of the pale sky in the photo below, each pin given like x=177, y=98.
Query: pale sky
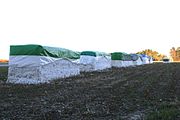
x=99, y=25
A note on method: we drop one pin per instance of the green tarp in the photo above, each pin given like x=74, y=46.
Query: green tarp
x=120, y=56
x=38, y=50
x=93, y=53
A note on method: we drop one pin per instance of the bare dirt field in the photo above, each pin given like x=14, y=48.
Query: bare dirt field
x=149, y=92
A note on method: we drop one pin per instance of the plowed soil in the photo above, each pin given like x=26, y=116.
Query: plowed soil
x=133, y=93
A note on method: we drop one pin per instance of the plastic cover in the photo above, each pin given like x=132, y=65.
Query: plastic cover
x=38, y=50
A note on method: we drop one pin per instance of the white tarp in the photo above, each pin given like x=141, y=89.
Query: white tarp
x=145, y=60
x=121, y=63
x=92, y=63
x=138, y=61
x=129, y=63
x=31, y=61
x=150, y=60
x=118, y=63
x=40, y=70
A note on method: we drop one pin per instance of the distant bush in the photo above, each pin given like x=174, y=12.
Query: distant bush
x=3, y=60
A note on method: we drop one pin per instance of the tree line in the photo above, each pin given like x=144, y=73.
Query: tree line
x=154, y=54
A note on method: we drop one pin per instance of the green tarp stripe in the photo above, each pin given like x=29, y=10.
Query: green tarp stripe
x=38, y=50
x=89, y=53
x=120, y=56
x=26, y=50
x=94, y=53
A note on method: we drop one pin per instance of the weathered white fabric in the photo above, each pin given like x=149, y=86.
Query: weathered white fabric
x=31, y=61
x=151, y=60
x=131, y=63
x=145, y=60
x=118, y=63
x=91, y=63
x=128, y=63
x=59, y=69
x=42, y=74
x=102, y=62
x=137, y=62
x=125, y=63
x=86, y=67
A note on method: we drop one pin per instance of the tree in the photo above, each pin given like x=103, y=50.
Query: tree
x=154, y=54
x=175, y=53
